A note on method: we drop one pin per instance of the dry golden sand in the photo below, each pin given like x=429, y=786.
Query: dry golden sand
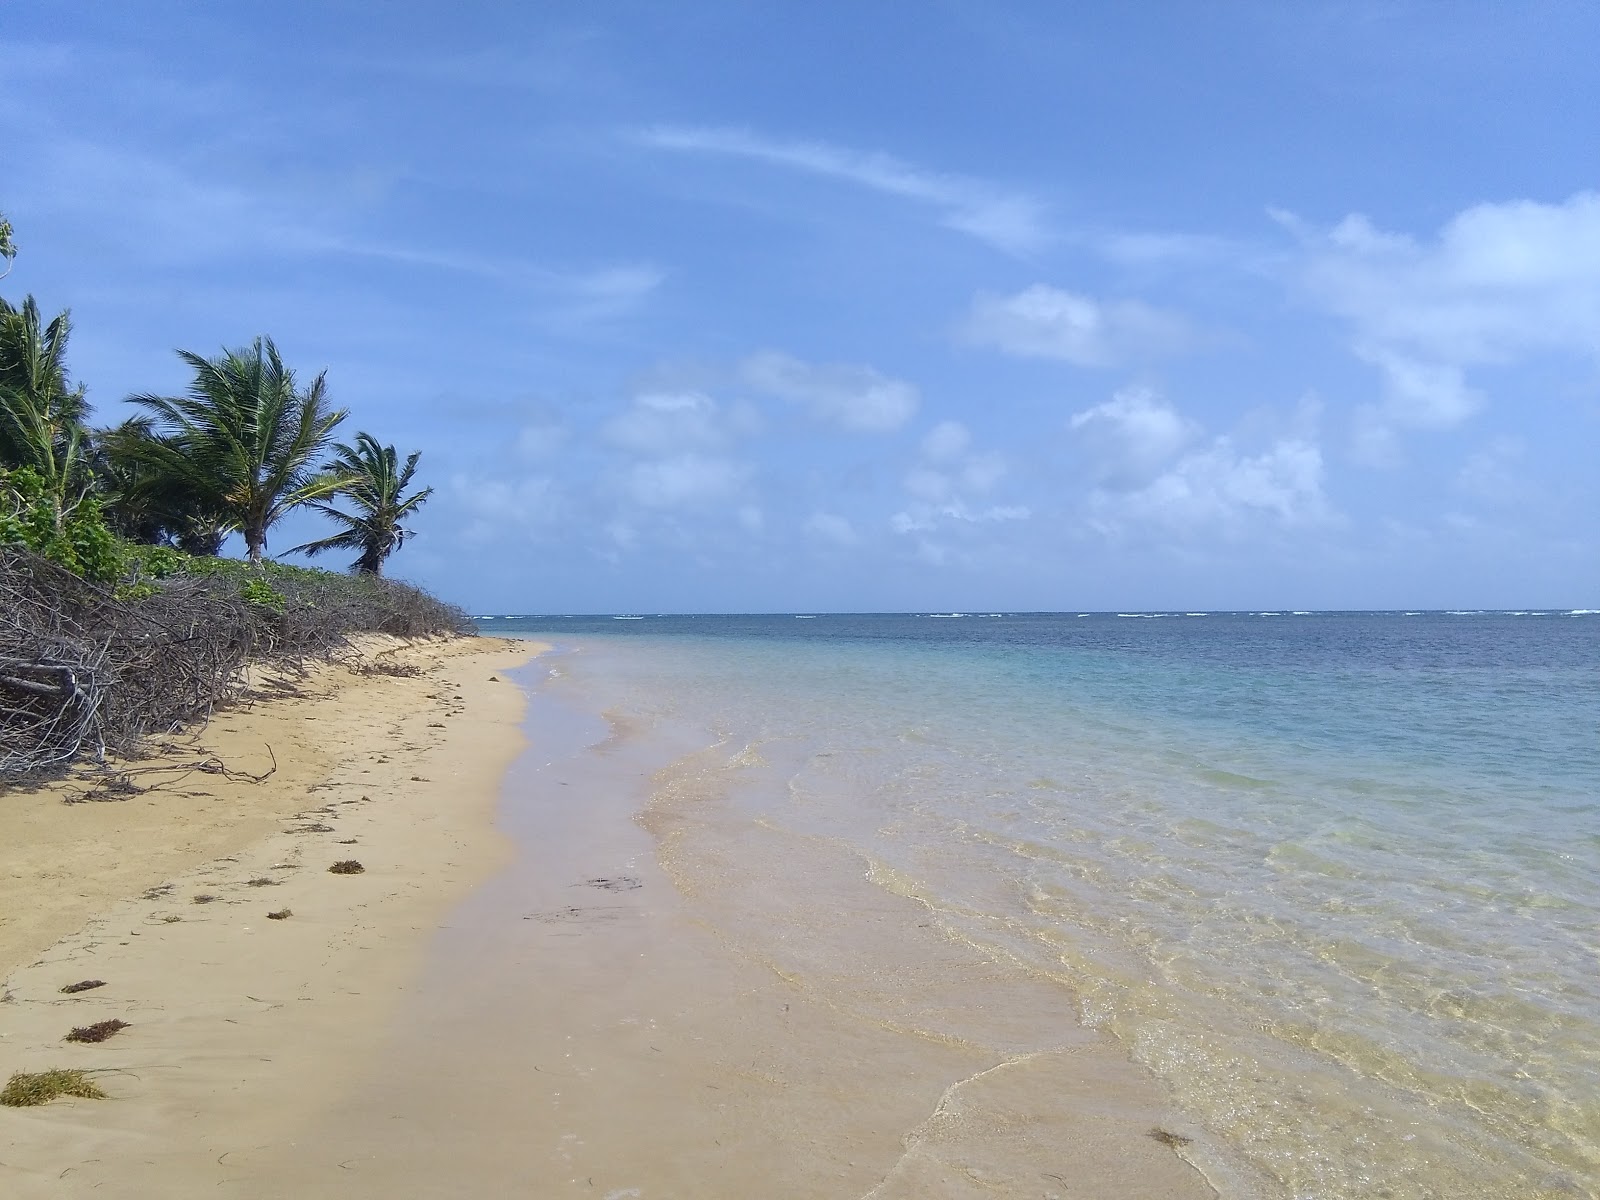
x=240, y=1025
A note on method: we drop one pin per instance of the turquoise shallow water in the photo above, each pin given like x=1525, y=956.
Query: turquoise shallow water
x=1333, y=878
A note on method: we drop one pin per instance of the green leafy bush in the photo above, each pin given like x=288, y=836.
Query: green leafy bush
x=72, y=535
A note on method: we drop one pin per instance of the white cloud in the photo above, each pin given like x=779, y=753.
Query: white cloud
x=922, y=519
x=1132, y=436
x=853, y=397
x=662, y=423
x=1220, y=489
x=1156, y=471
x=945, y=441
x=1498, y=284
x=494, y=506
x=944, y=486
x=831, y=528
x=675, y=453
x=1006, y=219
x=1047, y=322
x=1422, y=395
x=685, y=480
x=606, y=292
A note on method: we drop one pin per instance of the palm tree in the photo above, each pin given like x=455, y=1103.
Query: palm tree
x=242, y=442
x=41, y=414
x=376, y=489
x=143, y=503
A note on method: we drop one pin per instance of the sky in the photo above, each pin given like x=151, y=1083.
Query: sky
x=841, y=306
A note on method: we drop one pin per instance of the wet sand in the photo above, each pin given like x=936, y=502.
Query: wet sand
x=628, y=990
x=594, y=1025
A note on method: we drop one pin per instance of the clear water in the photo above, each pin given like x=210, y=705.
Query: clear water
x=1333, y=878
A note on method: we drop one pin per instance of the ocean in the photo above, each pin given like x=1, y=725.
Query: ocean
x=1333, y=879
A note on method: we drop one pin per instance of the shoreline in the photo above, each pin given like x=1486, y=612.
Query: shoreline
x=593, y=1020
x=621, y=1037
x=239, y=1025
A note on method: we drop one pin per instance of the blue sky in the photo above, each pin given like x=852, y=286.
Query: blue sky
x=780, y=306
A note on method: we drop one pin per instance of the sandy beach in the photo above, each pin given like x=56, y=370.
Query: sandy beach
x=240, y=1025
x=537, y=986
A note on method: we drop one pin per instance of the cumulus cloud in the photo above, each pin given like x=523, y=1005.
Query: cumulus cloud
x=1497, y=284
x=1006, y=219
x=1156, y=472
x=1218, y=487
x=1132, y=436
x=1047, y=322
x=853, y=397
x=945, y=486
x=675, y=451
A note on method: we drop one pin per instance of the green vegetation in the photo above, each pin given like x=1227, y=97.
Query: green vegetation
x=245, y=445
x=24, y=1090
x=376, y=490
x=243, y=441
x=74, y=536
x=122, y=618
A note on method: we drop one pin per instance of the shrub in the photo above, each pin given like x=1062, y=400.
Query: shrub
x=73, y=535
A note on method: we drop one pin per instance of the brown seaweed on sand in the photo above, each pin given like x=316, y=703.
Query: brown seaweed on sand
x=348, y=866
x=283, y=914
x=98, y=1032
x=83, y=986
x=1168, y=1138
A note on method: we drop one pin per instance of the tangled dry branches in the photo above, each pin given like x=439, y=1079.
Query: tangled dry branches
x=83, y=672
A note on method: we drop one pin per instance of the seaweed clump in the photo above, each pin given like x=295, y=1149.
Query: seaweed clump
x=23, y=1090
x=348, y=866
x=98, y=1032
x=83, y=986
x=283, y=914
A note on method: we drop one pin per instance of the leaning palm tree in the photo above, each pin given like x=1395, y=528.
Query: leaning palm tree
x=375, y=487
x=244, y=440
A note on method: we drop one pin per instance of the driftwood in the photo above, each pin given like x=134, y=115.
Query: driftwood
x=83, y=673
